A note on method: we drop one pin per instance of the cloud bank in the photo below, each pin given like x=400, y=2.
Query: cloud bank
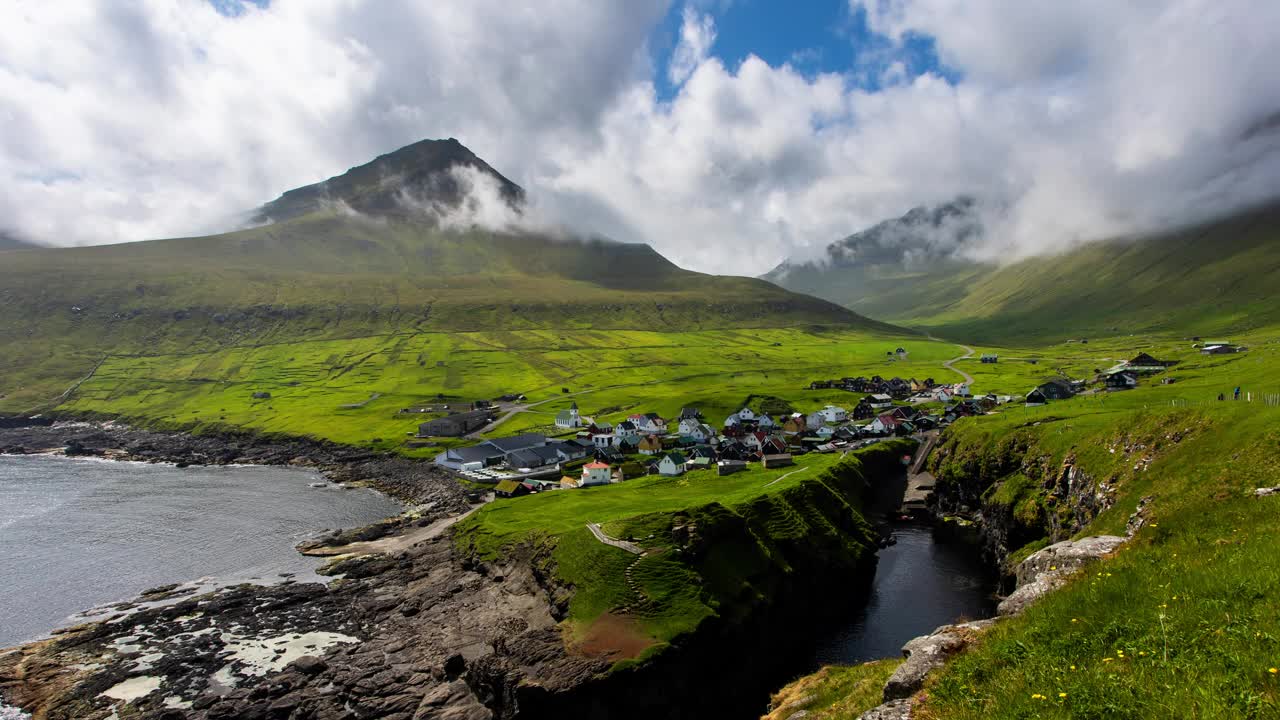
x=1081, y=120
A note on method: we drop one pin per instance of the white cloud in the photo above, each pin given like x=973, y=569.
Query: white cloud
x=697, y=35
x=132, y=120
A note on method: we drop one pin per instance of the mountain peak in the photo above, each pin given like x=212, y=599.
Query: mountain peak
x=436, y=174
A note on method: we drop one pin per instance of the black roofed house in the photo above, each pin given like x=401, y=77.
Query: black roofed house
x=1218, y=349
x=518, y=442
x=525, y=460
x=454, y=425
x=690, y=413
x=1036, y=397
x=1057, y=389
x=609, y=455
x=469, y=458
x=990, y=359
x=729, y=467
x=1121, y=381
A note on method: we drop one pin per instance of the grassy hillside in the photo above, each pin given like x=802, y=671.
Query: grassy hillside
x=1182, y=621
x=754, y=533
x=1214, y=278
x=323, y=273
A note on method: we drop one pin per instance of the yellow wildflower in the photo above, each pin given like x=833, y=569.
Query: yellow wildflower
x=1062, y=695
x=1273, y=671
x=1073, y=667
x=1106, y=660
x=1037, y=696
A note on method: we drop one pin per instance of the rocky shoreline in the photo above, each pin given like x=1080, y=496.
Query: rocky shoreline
x=410, y=629
x=412, y=482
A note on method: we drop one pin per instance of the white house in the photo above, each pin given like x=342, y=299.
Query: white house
x=825, y=432
x=604, y=440
x=672, y=465
x=690, y=426
x=764, y=422
x=814, y=420
x=651, y=423
x=746, y=414
x=942, y=395
x=596, y=473
x=833, y=414
x=700, y=432
x=961, y=389
x=569, y=418
x=627, y=433
x=880, y=402
x=732, y=420
x=885, y=423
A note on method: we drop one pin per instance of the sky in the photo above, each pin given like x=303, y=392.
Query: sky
x=727, y=134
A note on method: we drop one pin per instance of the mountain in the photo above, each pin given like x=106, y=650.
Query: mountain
x=9, y=241
x=320, y=271
x=881, y=270
x=394, y=184
x=1217, y=277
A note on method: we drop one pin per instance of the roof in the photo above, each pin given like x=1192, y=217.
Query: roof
x=475, y=453
x=548, y=453
x=518, y=442
x=780, y=456
x=596, y=466
x=525, y=458
x=507, y=486
x=677, y=458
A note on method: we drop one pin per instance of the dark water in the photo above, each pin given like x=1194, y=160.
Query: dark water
x=920, y=583
x=75, y=533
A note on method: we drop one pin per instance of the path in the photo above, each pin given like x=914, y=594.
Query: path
x=919, y=484
x=392, y=543
x=620, y=544
x=968, y=353
x=784, y=477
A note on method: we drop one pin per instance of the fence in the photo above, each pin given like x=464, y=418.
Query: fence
x=1267, y=399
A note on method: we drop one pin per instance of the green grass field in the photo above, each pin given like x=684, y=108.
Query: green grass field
x=611, y=374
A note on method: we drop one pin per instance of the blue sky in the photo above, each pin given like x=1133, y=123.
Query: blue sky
x=813, y=36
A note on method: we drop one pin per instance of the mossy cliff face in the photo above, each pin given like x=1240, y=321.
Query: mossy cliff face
x=767, y=569
x=1024, y=488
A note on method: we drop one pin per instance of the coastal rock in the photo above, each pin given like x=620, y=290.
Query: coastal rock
x=927, y=653
x=892, y=710
x=1049, y=569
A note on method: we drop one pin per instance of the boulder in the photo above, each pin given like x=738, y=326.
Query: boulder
x=1048, y=569
x=927, y=653
x=893, y=710
x=1264, y=492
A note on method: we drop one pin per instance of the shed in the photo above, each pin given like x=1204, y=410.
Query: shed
x=779, y=460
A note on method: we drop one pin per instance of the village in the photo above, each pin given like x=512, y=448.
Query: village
x=586, y=451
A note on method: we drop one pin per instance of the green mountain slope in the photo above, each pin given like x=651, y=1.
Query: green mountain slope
x=326, y=273
x=1214, y=278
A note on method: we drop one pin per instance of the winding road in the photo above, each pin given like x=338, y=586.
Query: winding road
x=968, y=353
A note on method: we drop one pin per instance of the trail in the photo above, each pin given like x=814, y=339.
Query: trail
x=968, y=353
x=784, y=477
x=620, y=544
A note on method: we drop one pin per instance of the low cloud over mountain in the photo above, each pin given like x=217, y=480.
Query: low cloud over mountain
x=1079, y=120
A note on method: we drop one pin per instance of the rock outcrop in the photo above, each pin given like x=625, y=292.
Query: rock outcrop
x=928, y=653
x=1048, y=569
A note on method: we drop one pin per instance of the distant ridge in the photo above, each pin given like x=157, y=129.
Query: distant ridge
x=10, y=241
x=1217, y=276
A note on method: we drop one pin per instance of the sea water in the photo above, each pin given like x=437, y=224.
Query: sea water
x=79, y=533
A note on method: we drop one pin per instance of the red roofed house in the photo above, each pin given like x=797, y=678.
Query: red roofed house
x=596, y=473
